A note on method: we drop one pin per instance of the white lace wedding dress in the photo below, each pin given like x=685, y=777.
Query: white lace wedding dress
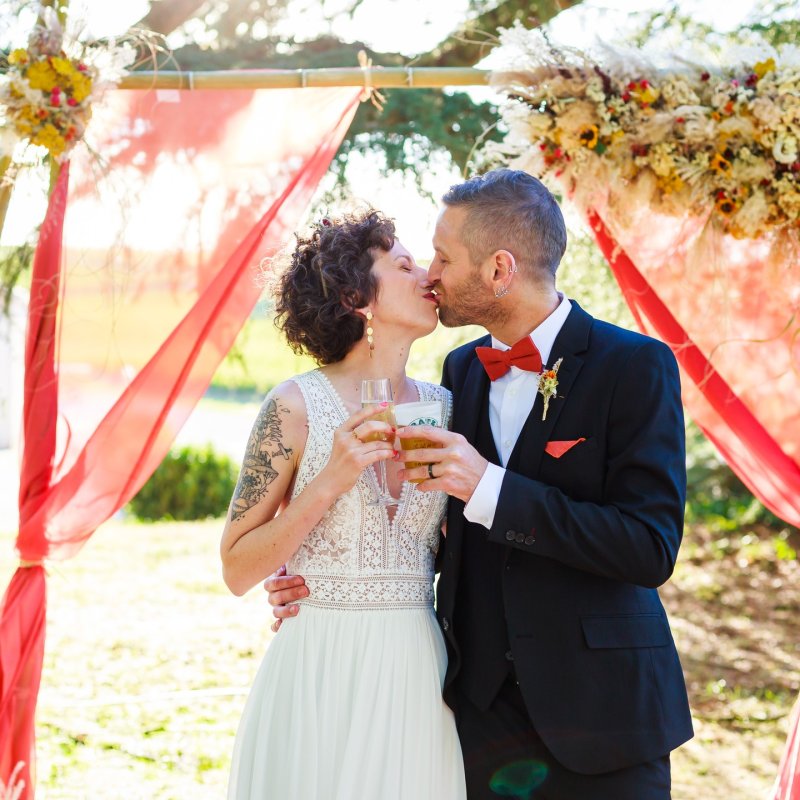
x=347, y=702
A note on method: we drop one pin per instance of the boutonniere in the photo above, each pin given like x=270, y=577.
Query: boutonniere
x=548, y=384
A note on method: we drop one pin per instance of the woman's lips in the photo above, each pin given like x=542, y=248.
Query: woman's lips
x=432, y=297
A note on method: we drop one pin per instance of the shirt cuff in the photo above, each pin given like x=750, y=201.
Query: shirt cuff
x=483, y=503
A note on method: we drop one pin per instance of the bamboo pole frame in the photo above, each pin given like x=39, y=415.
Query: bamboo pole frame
x=367, y=77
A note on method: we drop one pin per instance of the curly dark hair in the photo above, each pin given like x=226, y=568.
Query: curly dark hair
x=328, y=277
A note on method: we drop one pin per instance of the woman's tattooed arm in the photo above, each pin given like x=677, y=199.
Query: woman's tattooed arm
x=264, y=446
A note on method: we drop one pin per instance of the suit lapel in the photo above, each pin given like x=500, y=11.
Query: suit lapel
x=572, y=339
x=468, y=406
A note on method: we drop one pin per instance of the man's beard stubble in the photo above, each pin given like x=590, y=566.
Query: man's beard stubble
x=464, y=306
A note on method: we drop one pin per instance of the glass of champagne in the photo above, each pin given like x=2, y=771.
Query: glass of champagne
x=411, y=414
x=373, y=393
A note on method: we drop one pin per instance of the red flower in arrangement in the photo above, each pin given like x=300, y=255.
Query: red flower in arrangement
x=71, y=101
x=752, y=80
x=626, y=96
x=643, y=84
x=632, y=85
x=704, y=76
x=680, y=120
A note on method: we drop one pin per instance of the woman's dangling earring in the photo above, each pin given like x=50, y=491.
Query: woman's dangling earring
x=370, y=331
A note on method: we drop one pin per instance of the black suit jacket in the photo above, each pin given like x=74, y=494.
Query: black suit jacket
x=587, y=538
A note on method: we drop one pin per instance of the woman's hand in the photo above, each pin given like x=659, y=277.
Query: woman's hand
x=356, y=446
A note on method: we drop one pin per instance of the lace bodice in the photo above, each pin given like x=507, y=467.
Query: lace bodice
x=355, y=557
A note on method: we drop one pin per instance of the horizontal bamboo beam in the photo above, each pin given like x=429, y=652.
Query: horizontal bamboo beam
x=377, y=77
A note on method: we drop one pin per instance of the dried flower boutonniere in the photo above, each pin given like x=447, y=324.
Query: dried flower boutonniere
x=548, y=384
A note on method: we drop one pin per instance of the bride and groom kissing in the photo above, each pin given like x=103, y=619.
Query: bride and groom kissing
x=551, y=506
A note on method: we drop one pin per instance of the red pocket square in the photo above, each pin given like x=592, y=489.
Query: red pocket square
x=557, y=449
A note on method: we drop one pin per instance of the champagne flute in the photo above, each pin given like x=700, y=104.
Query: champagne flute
x=374, y=392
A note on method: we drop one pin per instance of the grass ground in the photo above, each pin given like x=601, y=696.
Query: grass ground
x=149, y=658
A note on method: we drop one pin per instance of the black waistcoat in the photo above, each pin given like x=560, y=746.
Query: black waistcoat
x=479, y=618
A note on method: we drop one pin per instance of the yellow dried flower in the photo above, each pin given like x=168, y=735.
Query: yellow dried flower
x=49, y=137
x=62, y=66
x=18, y=56
x=42, y=76
x=81, y=86
x=763, y=67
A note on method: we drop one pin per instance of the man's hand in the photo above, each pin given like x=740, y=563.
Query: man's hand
x=282, y=589
x=456, y=465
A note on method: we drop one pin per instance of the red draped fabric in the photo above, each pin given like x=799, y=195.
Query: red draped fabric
x=730, y=312
x=163, y=232
x=787, y=785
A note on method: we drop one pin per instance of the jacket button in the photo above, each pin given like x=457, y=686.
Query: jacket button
x=509, y=656
x=445, y=624
x=519, y=538
x=529, y=540
x=510, y=535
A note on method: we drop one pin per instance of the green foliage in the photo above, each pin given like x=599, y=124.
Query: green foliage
x=259, y=360
x=772, y=22
x=14, y=264
x=190, y=483
x=415, y=128
x=716, y=497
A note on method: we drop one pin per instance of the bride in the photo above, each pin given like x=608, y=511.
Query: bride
x=347, y=702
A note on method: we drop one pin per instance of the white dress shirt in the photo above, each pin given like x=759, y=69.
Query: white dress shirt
x=511, y=399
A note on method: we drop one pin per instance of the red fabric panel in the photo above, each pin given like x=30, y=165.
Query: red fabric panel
x=758, y=457
x=787, y=784
x=161, y=245
x=22, y=614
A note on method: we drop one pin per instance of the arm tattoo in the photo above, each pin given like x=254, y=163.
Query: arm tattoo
x=265, y=445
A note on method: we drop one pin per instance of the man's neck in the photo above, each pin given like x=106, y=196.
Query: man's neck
x=525, y=315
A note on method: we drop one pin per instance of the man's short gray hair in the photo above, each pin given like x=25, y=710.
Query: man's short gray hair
x=508, y=209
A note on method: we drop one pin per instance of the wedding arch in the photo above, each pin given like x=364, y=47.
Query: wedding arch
x=689, y=182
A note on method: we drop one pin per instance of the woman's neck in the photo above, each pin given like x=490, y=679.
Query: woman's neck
x=388, y=360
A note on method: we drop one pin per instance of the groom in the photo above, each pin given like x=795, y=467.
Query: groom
x=566, y=473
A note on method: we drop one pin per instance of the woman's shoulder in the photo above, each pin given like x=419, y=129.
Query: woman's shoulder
x=288, y=397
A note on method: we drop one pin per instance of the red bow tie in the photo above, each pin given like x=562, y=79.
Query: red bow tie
x=523, y=355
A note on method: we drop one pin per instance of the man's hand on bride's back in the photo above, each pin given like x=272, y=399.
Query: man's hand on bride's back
x=282, y=590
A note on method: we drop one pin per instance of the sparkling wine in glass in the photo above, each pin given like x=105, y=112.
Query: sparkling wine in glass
x=415, y=414
x=373, y=393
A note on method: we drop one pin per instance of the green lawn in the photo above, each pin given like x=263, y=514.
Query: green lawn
x=149, y=658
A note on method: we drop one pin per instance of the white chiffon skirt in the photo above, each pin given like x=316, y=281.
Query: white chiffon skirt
x=347, y=705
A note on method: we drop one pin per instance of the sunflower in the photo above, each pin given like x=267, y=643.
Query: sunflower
x=588, y=136
x=720, y=164
x=726, y=205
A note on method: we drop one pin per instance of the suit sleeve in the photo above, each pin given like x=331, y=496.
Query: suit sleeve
x=633, y=535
